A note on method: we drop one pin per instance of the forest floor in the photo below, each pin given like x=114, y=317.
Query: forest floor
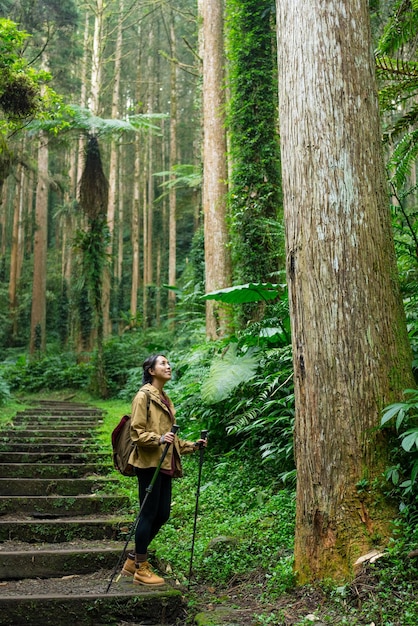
x=243, y=603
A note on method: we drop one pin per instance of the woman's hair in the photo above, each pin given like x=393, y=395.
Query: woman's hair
x=147, y=365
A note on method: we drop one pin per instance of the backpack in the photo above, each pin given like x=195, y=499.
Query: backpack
x=122, y=444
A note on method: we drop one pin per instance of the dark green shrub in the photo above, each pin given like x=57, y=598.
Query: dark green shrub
x=49, y=372
x=4, y=391
x=403, y=417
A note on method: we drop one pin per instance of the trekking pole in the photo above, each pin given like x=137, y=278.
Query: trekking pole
x=203, y=435
x=148, y=490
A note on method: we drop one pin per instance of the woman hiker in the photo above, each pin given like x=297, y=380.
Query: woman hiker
x=151, y=424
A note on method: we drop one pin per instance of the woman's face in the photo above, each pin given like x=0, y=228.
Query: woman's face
x=161, y=370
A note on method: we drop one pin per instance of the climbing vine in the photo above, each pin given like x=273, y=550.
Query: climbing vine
x=255, y=197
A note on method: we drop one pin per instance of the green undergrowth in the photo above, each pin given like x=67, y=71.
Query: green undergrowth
x=244, y=538
x=244, y=535
x=243, y=520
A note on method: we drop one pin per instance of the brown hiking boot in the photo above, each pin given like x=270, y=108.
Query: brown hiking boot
x=128, y=568
x=145, y=576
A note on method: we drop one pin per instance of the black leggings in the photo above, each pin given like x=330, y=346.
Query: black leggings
x=156, y=510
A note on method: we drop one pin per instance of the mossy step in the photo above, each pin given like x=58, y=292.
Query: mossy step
x=61, y=412
x=64, y=446
x=69, y=438
x=65, y=428
x=56, y=486
x=43, y=433
x=51, y=561
x=52, y=470
x=65, y=529
x=50, y=457
x=62, y=506
x=53, y=421
x=124, y=602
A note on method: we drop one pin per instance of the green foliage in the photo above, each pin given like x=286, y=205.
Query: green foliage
x=20, y=94
x=63, y=315
x=49, y=372
x=236, y=496
x=228, y=372
x=4, y=391
x=403, y=473
x=241, y=390
x=255, y=178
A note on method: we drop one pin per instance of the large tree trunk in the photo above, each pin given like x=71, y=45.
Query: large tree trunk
x=38, y=315
x=217, y=262
x=351, y=351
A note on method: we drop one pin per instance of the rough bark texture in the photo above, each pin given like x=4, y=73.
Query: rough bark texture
x=351, y=352
x=217, y=263
x=38, y=315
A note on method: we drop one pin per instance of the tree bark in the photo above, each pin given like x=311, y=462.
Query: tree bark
x=38, y=315
x=172, y=226
x=16, y=255
x=113, y=173
x=217, y=262
x=135, y=233
x=350, y=347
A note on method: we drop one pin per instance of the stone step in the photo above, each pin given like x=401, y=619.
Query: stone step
x=52, y=470
x=61, y=536
x=53, y=421
x=56, y=486
x=19, y=561
x=62, y=506
x=50, y=457
x=44, y=433
x=58, y=410
x=62, y=529
x=62, y=604
x=32, y=446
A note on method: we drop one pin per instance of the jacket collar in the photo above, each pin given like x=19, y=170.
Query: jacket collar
x=155, y=395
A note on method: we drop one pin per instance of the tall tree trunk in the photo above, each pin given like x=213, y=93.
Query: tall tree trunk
x=173, y=160
x=38, y=314
x=350, y=347
x=135, y=232
x=97, y=57
x=16, y=254
x=217, y=262
x=83, y=93
x=113, y=172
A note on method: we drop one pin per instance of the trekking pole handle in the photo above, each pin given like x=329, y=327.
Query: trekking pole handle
x=204, y=434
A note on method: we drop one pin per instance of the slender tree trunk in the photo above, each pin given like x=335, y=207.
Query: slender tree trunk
x=173, y=160
x=96, y=60
x=83, y=93
x=113, y=172
x=38, y=315
x=350, y=347
x=217, y=262
x=16, y=251
x=135, y=232
x=149, y=205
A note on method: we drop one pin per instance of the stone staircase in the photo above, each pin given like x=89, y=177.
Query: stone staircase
x=63, y=526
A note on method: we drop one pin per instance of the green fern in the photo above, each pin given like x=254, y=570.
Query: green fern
x=228, y=372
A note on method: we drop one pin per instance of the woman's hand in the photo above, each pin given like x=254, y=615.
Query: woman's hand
x=201, y=443
x=167, y=438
